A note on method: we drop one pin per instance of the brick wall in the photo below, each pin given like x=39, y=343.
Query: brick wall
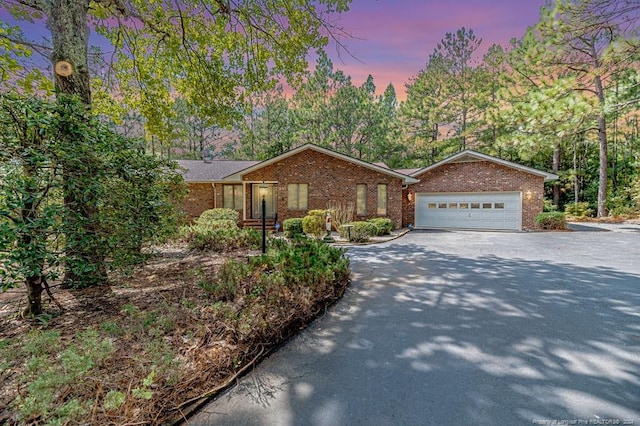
x=329, y=179
x=478, y=176
x=198, y=199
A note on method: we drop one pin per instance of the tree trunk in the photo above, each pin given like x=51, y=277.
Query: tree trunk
x=556, y=167
x=576, y=182
x=70, y=36
x=604, y=157
x=33, y=264
x=67, y=21
x=34, y=296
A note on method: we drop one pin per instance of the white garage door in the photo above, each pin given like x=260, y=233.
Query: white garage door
x=486, y=210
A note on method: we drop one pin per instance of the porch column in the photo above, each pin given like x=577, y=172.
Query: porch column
x=244, y=201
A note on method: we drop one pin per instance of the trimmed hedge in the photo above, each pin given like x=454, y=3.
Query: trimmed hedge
x=292, y=227
x=385, y=225
x=314, y=223
x=362, y=231
x=552, y=220
x=219, y=235
x=224, y=239
x=212, y=215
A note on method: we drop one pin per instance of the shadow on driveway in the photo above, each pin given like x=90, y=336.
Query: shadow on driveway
x=425, y=337
x=586, y=228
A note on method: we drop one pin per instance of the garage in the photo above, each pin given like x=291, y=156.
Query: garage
x=474, y=210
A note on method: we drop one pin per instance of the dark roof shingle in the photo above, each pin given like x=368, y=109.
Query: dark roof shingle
x=211, y=171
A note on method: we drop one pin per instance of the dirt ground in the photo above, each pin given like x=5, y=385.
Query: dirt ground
x=206, y=352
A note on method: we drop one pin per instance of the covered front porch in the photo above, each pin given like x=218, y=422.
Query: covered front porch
x=255, y=193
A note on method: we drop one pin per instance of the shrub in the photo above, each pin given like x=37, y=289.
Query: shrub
x=552, y=220
x=221, y=239
x=362, y=231
x=384, y=225
x=314, y=222
x=273, y=295
x=341, y=214
x=292, y=227
x=578, y=209
x=213, y=215
x=198, y=230
x=187, y=231
x=231, y=275
x=549, y=206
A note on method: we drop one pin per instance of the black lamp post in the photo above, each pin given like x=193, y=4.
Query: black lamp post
x=263, y=193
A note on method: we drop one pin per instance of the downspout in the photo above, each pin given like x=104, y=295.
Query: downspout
x=244, y=201
x=215, y=201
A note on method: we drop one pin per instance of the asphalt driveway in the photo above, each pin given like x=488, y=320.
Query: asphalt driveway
x=463, y=328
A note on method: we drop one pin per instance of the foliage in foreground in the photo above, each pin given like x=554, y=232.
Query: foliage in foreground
x=146, y=360
x=48, y=149
x=270, y=297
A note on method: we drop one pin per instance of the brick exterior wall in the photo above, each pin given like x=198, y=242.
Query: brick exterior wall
x=477, y=176
x=329, y=179
x=199, y=198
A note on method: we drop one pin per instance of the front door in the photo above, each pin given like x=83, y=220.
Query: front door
x=270, y=201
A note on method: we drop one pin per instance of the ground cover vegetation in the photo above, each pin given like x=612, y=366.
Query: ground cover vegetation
x=164, y=336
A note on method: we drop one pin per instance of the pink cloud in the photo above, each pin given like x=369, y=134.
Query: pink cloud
x=393, y=39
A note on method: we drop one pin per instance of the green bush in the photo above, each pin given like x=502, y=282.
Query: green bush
x=214, y=215
x=578, y=209
x=385, y=225
x=197, y=231
x=552, y=220
x=231, y=275
x=292, y=227
x=314, y=224
x=280, y=291
x=549, y=206
x=76, y=197
x=362, y=231
x=221, y=239
x=304, y=263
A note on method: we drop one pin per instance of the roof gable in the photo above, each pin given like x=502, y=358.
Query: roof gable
x=470, y=156
x=376, y=167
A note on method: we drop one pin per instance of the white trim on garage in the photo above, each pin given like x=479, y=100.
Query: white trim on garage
x=469, y=210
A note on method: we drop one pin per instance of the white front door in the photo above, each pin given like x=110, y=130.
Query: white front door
x=270, y=201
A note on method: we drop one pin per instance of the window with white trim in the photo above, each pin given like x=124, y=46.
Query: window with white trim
x=298, y=196
x=361, y=199
x=232, y=197
x=382, y=200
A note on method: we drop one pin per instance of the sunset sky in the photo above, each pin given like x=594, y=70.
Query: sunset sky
x=393, y=38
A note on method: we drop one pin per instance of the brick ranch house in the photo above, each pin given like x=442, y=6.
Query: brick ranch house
x=469, y=190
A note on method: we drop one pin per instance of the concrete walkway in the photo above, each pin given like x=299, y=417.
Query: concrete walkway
x=457, y=328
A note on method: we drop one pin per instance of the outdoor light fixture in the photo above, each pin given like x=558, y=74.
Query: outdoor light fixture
x=528, y=195
x=410, y=196
x=263, y=194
